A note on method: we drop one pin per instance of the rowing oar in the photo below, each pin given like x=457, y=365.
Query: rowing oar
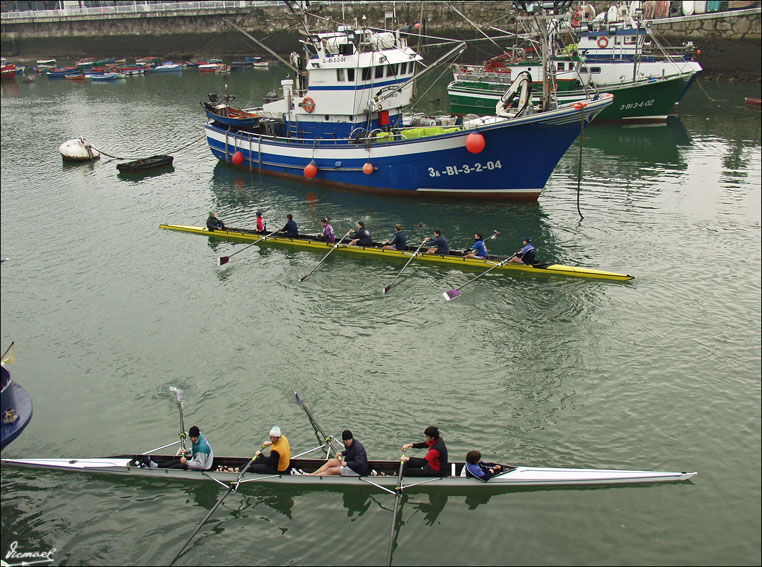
x=180, y=395
x=451, y=294
x=397, y=495
x=387, y=288
x=231, y=488
x=326, y=438
x=335, y=246
x=222, y=260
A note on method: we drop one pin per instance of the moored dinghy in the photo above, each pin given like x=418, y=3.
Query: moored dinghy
x=78, y=149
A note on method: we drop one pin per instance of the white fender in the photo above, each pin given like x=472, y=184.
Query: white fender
x=521, y=87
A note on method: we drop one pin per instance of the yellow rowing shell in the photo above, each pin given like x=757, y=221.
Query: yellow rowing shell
x=376, y=251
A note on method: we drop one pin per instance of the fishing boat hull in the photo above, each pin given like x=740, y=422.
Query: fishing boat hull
x=451, y=260
x=518, y=157
x=15, y=409
x=650, y=100
x=518, y=476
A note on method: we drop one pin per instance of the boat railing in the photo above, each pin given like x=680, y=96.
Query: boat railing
x=375, y=137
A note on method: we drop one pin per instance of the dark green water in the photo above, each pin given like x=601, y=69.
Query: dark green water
x=108, y=311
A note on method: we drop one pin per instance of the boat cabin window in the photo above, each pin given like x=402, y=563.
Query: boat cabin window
x=595, y=69
x=411, y=67
x=351, y=75
x=561, y=66
x=391, y=70
x=366, y=73
x=379, y=72
x=340, y=75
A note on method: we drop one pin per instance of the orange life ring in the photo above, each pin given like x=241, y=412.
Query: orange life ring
x=603, y=42
x=308, y=104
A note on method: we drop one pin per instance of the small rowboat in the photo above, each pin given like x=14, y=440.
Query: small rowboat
x=141, y=165
x=753, y=101
x=230, y=116
x=130, y=465
x=376, y=251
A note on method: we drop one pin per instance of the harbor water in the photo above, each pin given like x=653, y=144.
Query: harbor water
x=108, y=311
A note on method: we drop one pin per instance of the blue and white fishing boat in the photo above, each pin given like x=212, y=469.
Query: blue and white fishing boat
x=341, y=124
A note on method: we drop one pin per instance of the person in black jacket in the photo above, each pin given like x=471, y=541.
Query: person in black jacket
x=399, y=241
x=439, y=244
x=213, y=223
x=353, y=461
x=435, y=461
x=361, y=237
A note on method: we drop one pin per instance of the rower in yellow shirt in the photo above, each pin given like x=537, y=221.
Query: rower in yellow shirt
x=279, y=459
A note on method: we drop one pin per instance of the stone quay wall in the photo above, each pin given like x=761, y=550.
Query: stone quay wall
x=729, y=41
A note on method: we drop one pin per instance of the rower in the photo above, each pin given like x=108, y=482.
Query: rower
x=439, y=244
x=435, y=461
x=525, y=255
x=213, y=223
x=290, y=227
x=479, y=249
x=361, y=236
x=261, y=222
x=328, y=234
x=352, y=461
x=279, y=459
x=398, y=241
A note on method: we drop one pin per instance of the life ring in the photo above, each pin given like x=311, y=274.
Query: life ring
x=308, y=104
x=603, y=42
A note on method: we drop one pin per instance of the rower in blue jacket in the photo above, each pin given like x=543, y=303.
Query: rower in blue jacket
x=525, y=255
x=479, y=248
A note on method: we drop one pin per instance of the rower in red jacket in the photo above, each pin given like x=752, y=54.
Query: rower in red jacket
x=435, y=461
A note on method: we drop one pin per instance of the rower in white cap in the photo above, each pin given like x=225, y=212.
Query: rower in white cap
x=279, y=459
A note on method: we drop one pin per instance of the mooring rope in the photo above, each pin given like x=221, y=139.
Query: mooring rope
x=181, y=148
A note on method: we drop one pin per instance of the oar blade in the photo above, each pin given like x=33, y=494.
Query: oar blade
x=222, y=260
x=451, y=294
x=387, y=288
x=495, y=234
x=304, y=278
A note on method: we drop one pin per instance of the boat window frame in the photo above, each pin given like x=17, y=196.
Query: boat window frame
x=379, y=71
x=366, y=73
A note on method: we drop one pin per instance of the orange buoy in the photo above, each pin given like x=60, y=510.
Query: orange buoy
x=310, y=170
x=237, y=158
x=368, y=168
x=475, y=142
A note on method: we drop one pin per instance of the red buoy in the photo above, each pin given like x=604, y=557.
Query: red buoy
x=237, y=158
x=310, y=170
x=368, y=168
x=475, y=142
